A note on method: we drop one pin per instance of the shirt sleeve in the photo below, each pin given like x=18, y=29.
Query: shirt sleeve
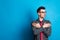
x=37, y=31
x=47, y=31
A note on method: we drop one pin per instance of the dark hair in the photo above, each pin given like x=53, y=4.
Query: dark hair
x=40, y=8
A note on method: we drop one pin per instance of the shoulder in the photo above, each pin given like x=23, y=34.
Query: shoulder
x=35, y=21
x=47, y=21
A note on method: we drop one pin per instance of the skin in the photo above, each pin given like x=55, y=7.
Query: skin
x=41, y=15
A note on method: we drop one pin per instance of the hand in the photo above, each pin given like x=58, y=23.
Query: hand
x=37, y=25
x=46, y=25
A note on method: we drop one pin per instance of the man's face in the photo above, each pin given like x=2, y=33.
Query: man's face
x=42, y=13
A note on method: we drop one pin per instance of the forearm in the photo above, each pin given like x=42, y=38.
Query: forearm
x=47, y=31
x=35, y=31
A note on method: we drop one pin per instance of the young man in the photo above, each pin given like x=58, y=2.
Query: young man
x=41, y=27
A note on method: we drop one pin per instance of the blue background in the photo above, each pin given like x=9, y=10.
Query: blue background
x=16, y=17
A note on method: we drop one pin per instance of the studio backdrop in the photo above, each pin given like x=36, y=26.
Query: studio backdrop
x=16, y=17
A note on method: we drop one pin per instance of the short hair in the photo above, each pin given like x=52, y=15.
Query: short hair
x=41, y=7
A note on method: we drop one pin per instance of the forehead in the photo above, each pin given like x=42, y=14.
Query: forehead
x=43, y=10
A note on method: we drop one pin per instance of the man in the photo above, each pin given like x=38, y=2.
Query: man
x=41, y=27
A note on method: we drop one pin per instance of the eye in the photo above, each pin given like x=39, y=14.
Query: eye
x=42, y=12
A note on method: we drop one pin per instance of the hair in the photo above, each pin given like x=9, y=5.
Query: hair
x=41, y=7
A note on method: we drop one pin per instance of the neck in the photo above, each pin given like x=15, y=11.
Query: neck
x=41, y=19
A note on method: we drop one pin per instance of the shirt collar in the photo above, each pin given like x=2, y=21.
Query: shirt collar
x=39, y=20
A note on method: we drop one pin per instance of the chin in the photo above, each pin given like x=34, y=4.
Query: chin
x=42, y=17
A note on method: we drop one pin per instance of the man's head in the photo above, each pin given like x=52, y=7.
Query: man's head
x=41, y=11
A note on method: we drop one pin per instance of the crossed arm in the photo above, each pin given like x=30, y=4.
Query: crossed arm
x=46, y=29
